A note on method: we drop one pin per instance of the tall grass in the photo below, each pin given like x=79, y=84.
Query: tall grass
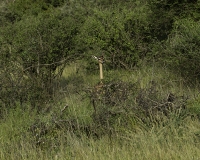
x=173, y=141
x=177, y=137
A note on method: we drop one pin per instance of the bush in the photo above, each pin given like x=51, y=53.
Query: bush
x=124, y=104
x=182, y=50
x=120, y=34
x=165, y=13
x=38, y=47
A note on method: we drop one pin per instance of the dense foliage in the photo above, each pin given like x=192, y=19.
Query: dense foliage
x=183, y=47
x=38, y=38
x=145, y=107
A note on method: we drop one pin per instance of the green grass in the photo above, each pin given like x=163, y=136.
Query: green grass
x=169, y=142
x=175, y=138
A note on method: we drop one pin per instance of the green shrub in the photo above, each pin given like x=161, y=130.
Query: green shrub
x=119, y=33
x=38, y=47
x=165, y=13
x=183, y=47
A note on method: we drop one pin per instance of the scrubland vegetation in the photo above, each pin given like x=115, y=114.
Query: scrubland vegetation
x=52, y=105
